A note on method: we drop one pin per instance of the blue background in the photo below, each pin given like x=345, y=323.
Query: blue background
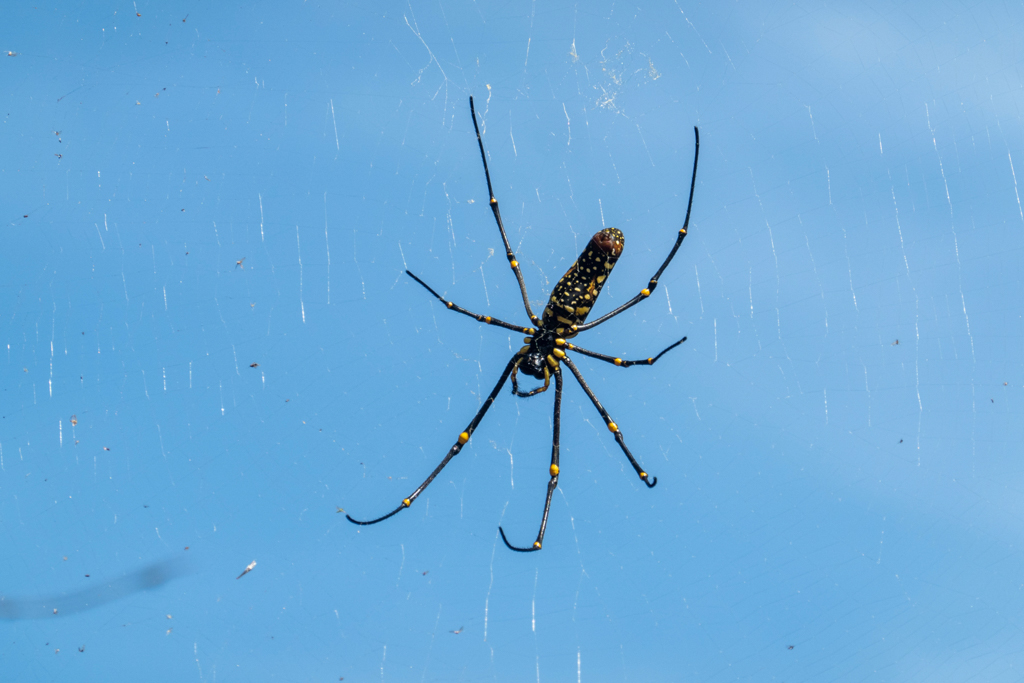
x=202, y=188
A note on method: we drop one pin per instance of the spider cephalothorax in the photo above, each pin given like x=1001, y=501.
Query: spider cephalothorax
x=564, y=317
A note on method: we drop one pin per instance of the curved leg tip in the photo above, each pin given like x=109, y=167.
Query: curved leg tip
x=379, y=519
x=536, y=546
x=650, y=481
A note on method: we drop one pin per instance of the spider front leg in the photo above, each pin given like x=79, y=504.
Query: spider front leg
x=612, y=359
x=553, y=471
x=459, y=443
x=612, y=427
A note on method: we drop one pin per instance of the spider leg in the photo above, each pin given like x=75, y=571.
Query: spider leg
x=481, y=318
x=497, y=217
x=460, y=442
x=553, y=471
x=612, y=427
x=646, y=292
x=617, y=361
x=532, y=392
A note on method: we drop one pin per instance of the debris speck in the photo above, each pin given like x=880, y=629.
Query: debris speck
x=247, y=570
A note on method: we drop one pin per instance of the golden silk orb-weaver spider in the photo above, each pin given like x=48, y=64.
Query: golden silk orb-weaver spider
x=547, y=343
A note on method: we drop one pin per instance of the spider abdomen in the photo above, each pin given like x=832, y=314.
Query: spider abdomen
x=577, y=291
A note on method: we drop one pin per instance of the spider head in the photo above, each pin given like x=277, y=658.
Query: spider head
x=533, y=364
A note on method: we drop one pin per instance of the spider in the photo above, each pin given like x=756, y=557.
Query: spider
x=563, y=318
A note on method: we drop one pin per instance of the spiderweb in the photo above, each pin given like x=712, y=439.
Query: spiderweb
x=212, y=350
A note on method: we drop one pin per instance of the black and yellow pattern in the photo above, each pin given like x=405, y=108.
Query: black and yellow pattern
x=577, y=291
x=565, y=316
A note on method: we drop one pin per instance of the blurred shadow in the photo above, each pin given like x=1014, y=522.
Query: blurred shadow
x=147, y=578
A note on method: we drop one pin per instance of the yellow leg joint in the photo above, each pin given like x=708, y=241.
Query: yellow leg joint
x=487, y=319
x=682, y=231
x=643, y=475
x=559, y=353
x=554, y=470
x=645, y=292
x=618, y=361
x=552, y=362
x=514, y=263
x=463, y=437
x=536, y=544
x=406, y=502
x=612, y=427
x=449, y=304
x=493, y=200
x=559, y=342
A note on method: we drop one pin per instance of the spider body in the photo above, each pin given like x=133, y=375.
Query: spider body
x=564, y=317
x=577, y=291
x=568, y=307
